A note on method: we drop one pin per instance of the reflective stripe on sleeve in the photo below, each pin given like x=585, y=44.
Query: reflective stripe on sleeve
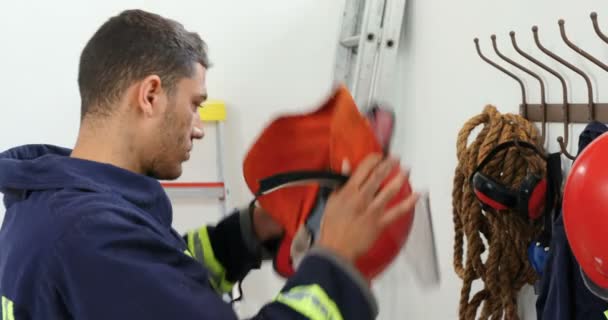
x=311, y=301
x=7, y=309
x=200, y=247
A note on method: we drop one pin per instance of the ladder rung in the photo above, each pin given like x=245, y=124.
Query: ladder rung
x=351, y=42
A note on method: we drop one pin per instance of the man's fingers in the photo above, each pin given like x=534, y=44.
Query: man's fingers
x=363, y=170
x=379, y=203
x=399, y=210
x=345, y=166
x=370, y=188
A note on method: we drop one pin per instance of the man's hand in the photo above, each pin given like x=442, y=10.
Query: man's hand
x=264, y=226
x=357, y=213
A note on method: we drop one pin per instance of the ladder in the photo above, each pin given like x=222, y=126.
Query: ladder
x=366, y=62
x=366, y=57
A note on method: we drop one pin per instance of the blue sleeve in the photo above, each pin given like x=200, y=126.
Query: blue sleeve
x=324, y=287
x=111, y=268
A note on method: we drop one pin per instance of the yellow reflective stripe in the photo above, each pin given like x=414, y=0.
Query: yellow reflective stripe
x=11, y=312
x=7, y=309
x=312, y=302
x=606, y=314
x=190, y=245
x=218, y=272
x=200, y=246
x=186, y=252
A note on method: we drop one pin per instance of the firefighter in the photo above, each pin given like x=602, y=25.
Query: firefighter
x=87, y=231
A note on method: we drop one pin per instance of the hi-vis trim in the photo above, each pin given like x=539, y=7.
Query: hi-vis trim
x=7, y=309
x=312, y=302
x=200, y=246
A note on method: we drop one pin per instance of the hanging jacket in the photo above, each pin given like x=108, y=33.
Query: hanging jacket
x=86, y=240
x=563, y=294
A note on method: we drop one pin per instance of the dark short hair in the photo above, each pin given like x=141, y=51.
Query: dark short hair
x=129, y=47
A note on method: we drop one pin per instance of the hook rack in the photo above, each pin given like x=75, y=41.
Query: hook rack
x=574, y=47
x=510, y=74
x=528, y=71
x=564, y=112
x=596, y=27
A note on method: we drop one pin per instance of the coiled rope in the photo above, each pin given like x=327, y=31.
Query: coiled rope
x=507, y=234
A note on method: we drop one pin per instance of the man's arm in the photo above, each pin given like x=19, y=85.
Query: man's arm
x=324, y=287
x=230, y=249
x=112, y=268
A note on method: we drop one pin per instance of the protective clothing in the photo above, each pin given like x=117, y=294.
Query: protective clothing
x=297, y=161
x=586, y=216
x=562, y=294
x=88, y=240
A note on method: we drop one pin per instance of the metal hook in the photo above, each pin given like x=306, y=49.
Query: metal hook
x=528, y=71
x=510, y=74
x=571, y=67
x=561, y=80
x=596, y=26
x=582, y=52
x=563, y=145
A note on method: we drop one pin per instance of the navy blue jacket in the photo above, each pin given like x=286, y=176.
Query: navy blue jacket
x=86, y=240
x=563, y=294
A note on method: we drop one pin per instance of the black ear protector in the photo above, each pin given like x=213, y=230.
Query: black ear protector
x=528, y=198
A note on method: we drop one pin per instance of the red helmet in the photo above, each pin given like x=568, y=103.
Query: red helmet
x=585, y=212
x=306, y=152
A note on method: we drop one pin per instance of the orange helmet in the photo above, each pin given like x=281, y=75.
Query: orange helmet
x=296, y=162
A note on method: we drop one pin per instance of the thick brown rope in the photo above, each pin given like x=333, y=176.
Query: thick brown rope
x=507, y=234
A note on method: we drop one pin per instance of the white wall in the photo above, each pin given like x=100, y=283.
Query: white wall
x=269, y=56
x=277, y=56
x=446, y=83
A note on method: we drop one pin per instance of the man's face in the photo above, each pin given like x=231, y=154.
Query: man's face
x=178, y=127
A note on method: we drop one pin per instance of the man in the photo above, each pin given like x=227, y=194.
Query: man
x=87, y=232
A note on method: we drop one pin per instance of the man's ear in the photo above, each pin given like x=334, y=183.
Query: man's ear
x=149, y=93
